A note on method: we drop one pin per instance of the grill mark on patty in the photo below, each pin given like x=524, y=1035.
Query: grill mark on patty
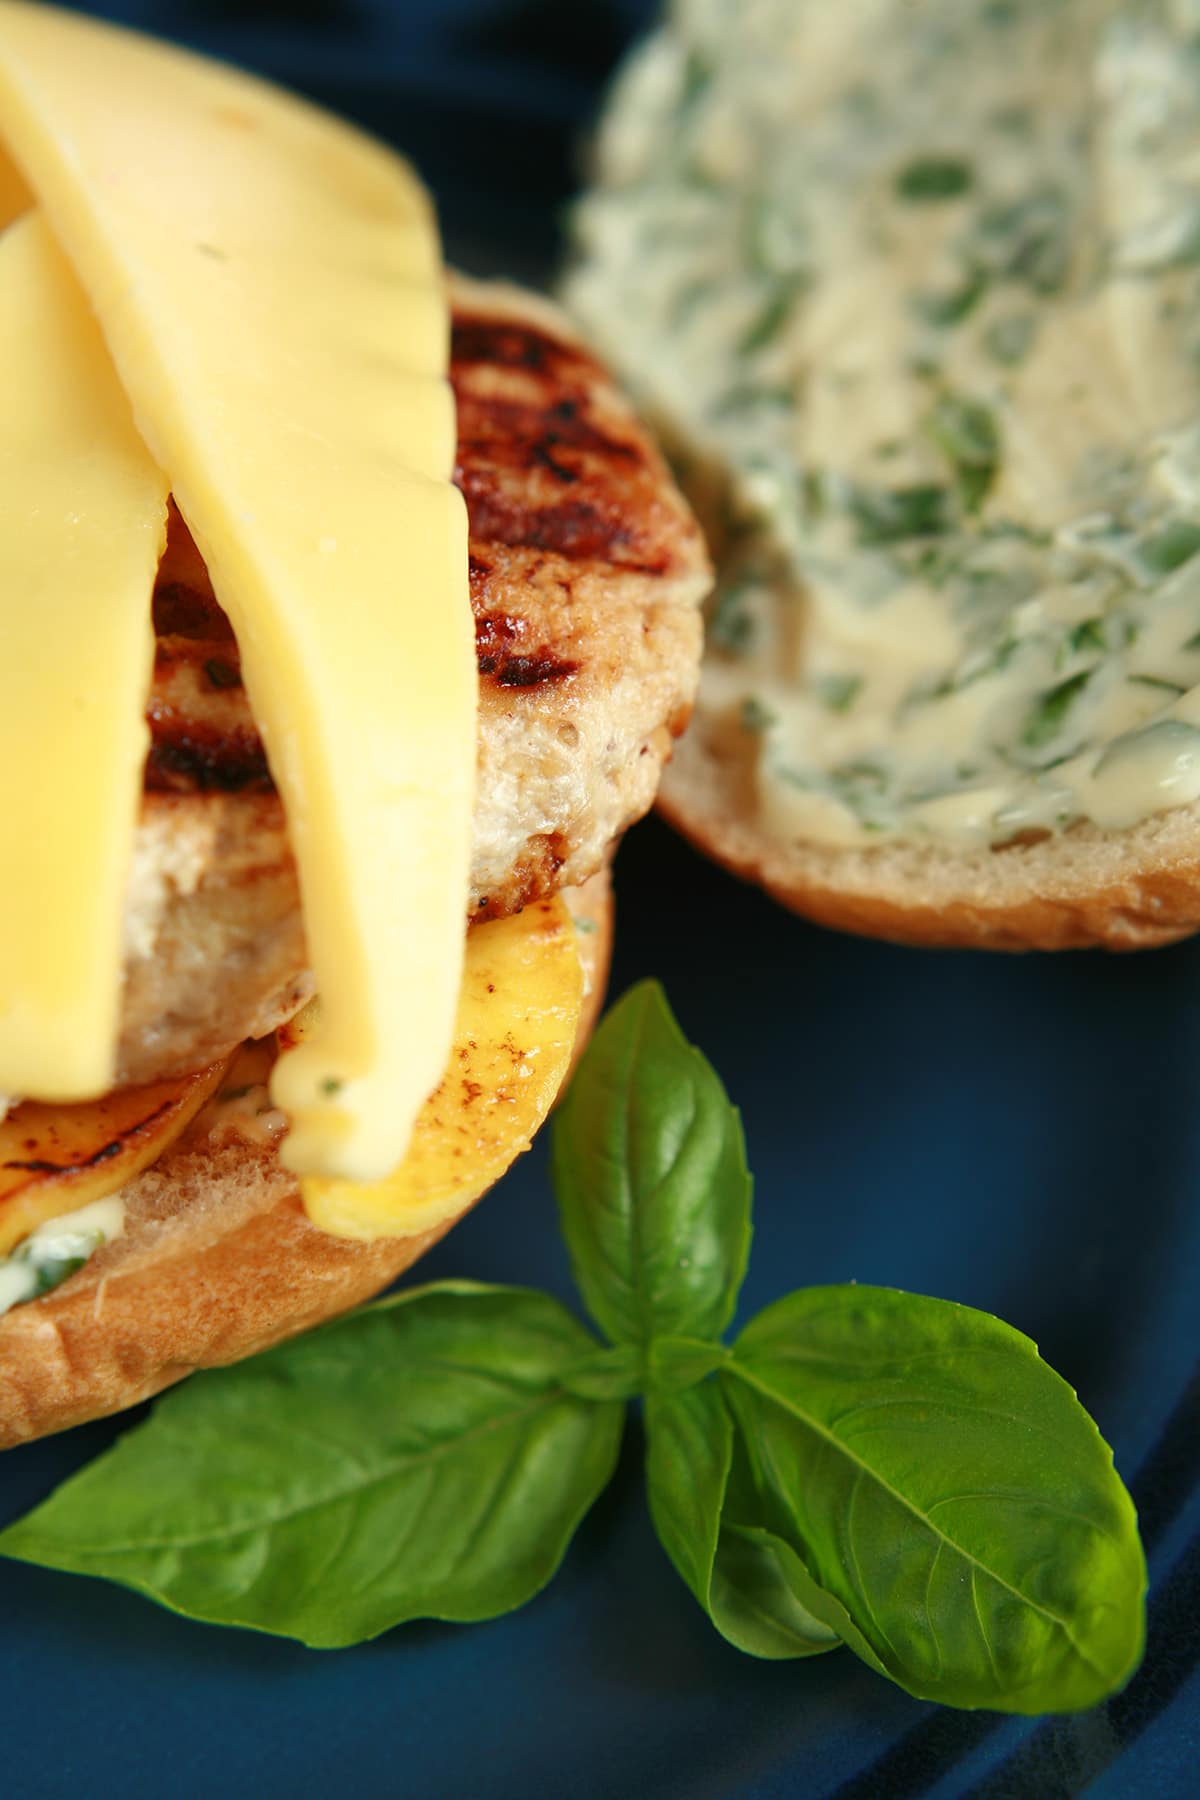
x=528, y=433
x=579, y=530
x=220, y=673
x=542, y=469
x=217, y=659
x=519, y=451
x=187, y=756
x=516, y=344
x=499, y=653
x=181, y=610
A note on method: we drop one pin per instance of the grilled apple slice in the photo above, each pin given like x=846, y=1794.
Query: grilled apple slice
x=517, y=1017
x=54, y=1159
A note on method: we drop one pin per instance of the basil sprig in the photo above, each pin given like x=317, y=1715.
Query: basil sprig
x=863, y=1467
x=422, y=1459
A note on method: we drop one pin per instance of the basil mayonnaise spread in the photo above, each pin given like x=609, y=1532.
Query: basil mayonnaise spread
x=921, y=279
x=57, y=1248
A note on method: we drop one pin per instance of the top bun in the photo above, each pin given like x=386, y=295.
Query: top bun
x=923, y=352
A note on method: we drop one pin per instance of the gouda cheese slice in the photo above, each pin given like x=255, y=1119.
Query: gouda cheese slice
x=15, y=197
x=269, y=284
x=83, y=514
x=518, y=1017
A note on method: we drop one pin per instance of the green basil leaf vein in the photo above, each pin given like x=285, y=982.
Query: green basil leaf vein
x=650, y=1173
x=738, y=1575
x=420, y=1459
x=955, y=1508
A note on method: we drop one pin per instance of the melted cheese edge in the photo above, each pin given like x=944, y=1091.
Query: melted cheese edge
x=268, y=282
x=15, y=197
x=83, y=519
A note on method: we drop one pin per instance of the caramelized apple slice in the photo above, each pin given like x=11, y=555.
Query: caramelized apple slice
x=517, y=1016
x=54, y=1159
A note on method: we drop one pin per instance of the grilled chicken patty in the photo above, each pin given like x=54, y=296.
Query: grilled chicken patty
x=587, y=573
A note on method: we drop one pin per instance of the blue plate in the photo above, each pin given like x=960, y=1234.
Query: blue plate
x=1018, y=1134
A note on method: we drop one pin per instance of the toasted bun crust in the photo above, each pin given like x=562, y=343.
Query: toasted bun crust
x=218, y=1261
x=1128, y=890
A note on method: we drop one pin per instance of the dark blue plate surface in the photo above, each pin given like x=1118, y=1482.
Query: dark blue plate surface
x=1018, y=1134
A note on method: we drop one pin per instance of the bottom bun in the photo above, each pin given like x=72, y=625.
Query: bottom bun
x=217, y=1261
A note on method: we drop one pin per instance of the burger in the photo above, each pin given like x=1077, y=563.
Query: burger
x=336, y=666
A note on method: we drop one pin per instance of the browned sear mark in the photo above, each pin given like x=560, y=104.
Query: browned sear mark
x=222, y=673
x=183, y=611
x=186, y=755
x=554, y=475
x=37, y=1165
x=584, y=501
x=513, y=344
x=497, y=637
x=574, y=528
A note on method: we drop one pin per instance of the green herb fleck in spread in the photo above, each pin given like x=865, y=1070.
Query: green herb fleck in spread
x=934, y=178
x=937, y=335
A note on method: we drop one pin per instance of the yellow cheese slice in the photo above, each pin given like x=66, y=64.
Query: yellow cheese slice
x=269, y=283
x=15, y=197
x=83, y=518
x=518, y=1015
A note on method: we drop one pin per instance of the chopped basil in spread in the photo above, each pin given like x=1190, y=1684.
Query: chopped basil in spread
x=916, y=291
x=56, y=1249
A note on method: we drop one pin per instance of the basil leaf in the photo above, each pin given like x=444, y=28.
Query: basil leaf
x=1167, y=549
x=755, y=1602
x=1028, y=240
x=891, y=515
x=736, y=1574
x=952, y=306
x=1157, y=682
x=650, y=1172
x=934, y=178
x=948, y=1493
x=1088, y=636
x=754, y=716
x=731, y=626
x=1048, y=714
x=771, y=318
x=1010, y=339
x=697, y=76
x=966, y=433
x=837, y=692
x=419, y=1459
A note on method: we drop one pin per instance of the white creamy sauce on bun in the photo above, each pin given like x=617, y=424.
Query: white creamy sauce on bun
x=915, y=291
